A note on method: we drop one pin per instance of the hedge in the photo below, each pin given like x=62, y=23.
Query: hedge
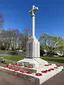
x=56, y=59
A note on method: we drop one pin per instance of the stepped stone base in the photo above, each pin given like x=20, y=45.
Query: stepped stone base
x=34, y=62
x=36, y=75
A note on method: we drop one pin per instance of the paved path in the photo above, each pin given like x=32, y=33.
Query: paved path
x=6, y=79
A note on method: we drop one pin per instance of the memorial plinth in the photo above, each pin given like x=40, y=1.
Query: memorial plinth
x=32, y=67
x=41, y=68
x=33, y=47
x=33, y=54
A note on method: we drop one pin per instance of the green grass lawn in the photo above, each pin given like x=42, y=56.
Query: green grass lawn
x=16, y=58
x=13, y=58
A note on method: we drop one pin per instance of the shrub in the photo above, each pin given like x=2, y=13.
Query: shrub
x=13, y=53
x=57, y=59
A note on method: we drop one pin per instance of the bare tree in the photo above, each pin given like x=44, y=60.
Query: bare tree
x=24, y=37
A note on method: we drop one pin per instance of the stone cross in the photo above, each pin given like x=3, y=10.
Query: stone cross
x=32, y=12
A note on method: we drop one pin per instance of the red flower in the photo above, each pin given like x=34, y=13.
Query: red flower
x=44, y=71
x=56, y=67
x=16, y=69
x=25, y=66
x=18, y=64
x=46, y=64
x=14, y=64
x=13, y=68
x=6, y=66
x=10, y=67
x=30, y=67
x=29, y=72
x=51, y=68
x=38, y=74
x=22, y=71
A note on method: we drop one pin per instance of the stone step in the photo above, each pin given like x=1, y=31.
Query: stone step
x=36, y=78
x=29, y=68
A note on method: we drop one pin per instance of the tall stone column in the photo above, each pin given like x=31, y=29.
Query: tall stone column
x=33, y=25
x=32, y=12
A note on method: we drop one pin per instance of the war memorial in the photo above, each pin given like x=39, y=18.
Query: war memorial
x=32, y=68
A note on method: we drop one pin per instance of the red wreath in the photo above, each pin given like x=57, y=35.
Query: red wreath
x=44, y=71
x=51, y=68
x=38, y=74
x=28, y=66
x=6, y=66
x=56, y=67
x=22, y=71
x=10, y=67
x=16, y=69
x=46, y=64
x=29, y=72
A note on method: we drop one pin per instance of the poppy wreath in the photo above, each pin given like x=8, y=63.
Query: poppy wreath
x=48, y=64
x=10, y=67
x=51, y=68
x=18, y=65
x=44, y=71
x=29, y=72
x=16, y=69
x=28, y=66
x=56, y=67
x=22, y=71
x=6, y=66
x=38, y=74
